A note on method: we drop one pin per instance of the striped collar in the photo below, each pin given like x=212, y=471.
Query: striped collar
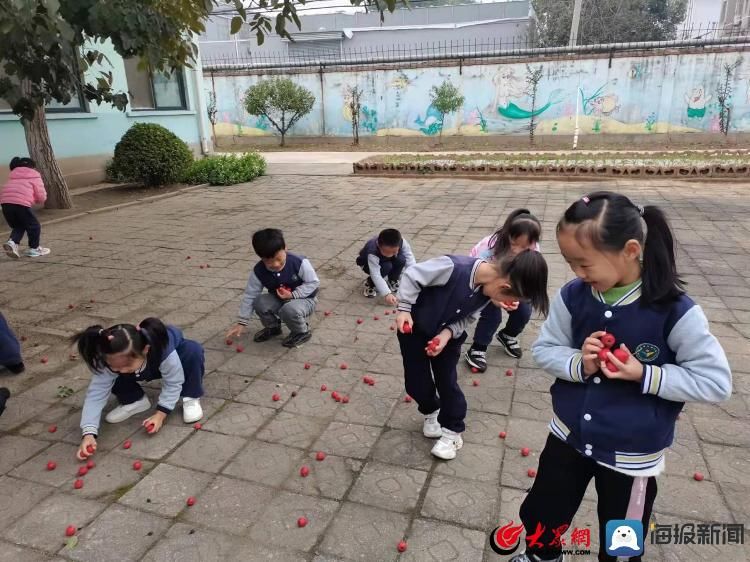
x=628, y=298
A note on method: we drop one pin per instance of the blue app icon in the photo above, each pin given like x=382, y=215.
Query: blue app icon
x=624, y=537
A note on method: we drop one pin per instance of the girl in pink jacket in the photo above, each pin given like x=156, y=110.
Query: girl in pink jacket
x=23, y=190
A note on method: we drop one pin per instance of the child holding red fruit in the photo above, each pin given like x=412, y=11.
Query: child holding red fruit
x=628, y=348
x=438, y=298
x=123, y=356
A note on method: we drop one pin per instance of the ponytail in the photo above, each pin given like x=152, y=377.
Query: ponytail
x=527, y=273
x=661, y=281
x=155, y=335
x=89, y=343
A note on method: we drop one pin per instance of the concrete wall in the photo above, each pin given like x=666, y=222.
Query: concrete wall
x=84, y=142
x=630, y=95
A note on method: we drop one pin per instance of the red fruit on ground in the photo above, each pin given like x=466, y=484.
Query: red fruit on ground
x=359, y=320
x=240, y=349
x=302, y=522
x=90, y=464
x=92, y=301
x=407, y=398
x=23, y=338
x=344, y=366
x=51, y=465
x=335, y=396
x=201, y=266
x=52, y=428
x=83, y=471
x=190, y=501
x=71, y=306
x=503, y=435
x=345, y=399
x=70, y=530
x=44, y=360
x=698, y=476
x=604, y=355
x=608, y=340
x=376, y=317
x=187, y=258
x=393, y=328
x=366, y=379
x=198, y=426
x=128, y=443
x=304, y=471
x=137, y=465
x=401, y=546
x=320, y=455
x=474, y=370
x=327, y=313
x=90, y=449
x=276, y=397
x=531, y=472
x=371, y=382
x=78, y=484
x=307, y=365
x=509, y=373
x=621, y=354
x=525, y=452
x=323, y=388
x=387, y=312
x=475, y=382
x=407, y=328
x=229, y=341
x=91, y=237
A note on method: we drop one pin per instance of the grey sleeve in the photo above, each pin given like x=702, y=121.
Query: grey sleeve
x=430, y=273
x=252, y=291
x=701, y=372
x=97, y=395
x=310, y=281
x=373, y=262
x=408, y=254
x=553, y=350
x=458, y=328
x=172, y=380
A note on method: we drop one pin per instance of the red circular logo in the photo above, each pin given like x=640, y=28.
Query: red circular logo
x=504, y=540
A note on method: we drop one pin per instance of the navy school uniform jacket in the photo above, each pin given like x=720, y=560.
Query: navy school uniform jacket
x=180, y=353
x=10, y=349
x=371, y=256
x=625, y=424
x=297, y=274
x=441, y=293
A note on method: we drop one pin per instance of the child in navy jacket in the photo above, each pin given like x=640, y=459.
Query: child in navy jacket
x=292, y=286
x=627, y=348
x=10, y=349
x=385, y=257
x=438, y=298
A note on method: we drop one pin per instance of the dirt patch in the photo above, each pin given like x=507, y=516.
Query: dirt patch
x=84, y=200
x=482, y=143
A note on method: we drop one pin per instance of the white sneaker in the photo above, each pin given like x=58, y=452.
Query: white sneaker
x=11, y=248
x=36, y=252
x=431, y=427
x=191, y=410
x=447, y=446
x=125, y=411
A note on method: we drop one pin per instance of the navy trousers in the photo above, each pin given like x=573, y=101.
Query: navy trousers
x=489, y=322
x=10, y=349
x=433, y=381
x=22, y=220
x=127, y=388
x=389, y=269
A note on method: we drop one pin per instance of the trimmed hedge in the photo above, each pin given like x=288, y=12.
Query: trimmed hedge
x=227, y=170
x=150, y=154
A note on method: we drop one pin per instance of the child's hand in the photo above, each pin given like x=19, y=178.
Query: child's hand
x=284, y=294
x=444, y=336
x=235, y=331
x=509, y=306
x=404, y=318
x=590, y=352
x=154, y=423
x=391, y=299
x=88, y=441
x=629, y=370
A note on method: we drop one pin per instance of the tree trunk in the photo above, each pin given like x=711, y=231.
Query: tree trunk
x=283, y=127
x=40, y=150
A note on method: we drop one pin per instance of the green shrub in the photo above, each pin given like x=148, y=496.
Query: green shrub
x=227, y=170
x=150, y=154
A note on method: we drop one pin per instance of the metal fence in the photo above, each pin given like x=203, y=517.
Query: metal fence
x=246, y=58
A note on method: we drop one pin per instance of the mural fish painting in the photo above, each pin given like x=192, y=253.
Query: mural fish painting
x=512, y=111
x=597, y=103
x=432, y=122
x=696, y=102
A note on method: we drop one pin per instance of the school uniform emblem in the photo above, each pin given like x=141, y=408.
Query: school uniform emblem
x=646, y=352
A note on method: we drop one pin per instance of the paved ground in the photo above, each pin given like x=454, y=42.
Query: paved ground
x=378, y=483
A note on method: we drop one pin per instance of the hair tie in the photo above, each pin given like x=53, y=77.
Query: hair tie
x=641, y=210
x=110, y=337
x=585, y=199
x=101, y=331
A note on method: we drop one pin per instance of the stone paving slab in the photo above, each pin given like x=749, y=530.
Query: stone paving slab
x=378, y=483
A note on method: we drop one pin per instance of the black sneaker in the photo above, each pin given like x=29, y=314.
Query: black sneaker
x=393, y=285
x=266, y=334
x=17, y=369
x=4, y=395
x=511, y=345
x=476, y=359
x=296, y=340
x=369, y=289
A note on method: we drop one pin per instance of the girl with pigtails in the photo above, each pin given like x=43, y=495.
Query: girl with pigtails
x=123, y=356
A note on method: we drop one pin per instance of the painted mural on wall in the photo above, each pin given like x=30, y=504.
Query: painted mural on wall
x=687, y=93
